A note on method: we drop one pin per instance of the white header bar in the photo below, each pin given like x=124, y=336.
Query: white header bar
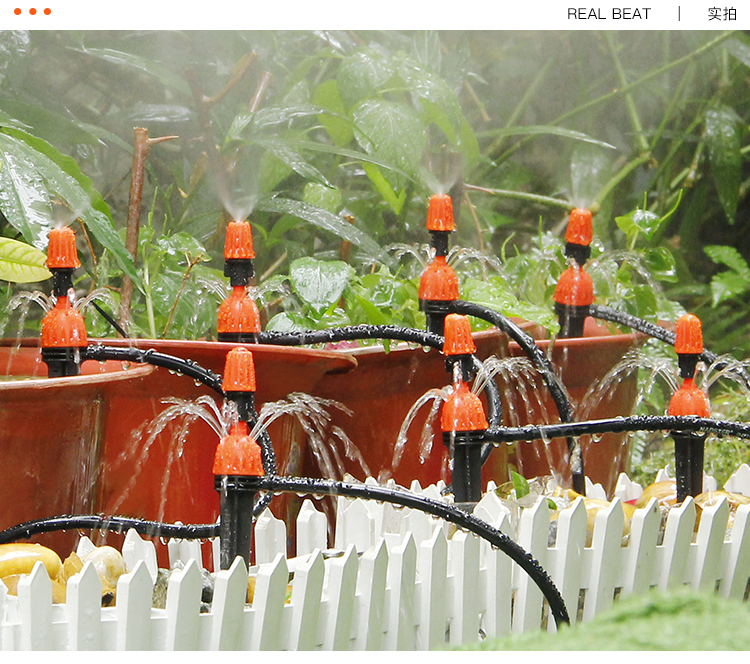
x=371, y=15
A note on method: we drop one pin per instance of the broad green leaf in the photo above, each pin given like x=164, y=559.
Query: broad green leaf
x=288, y=322
x=739, y=48
x=536, y=130
x=139, y=64
x=643, y=222
x=328, y=198
x=15, y=46
x=21, y=263
x=661, y=263
x=61, y=175
x=253, y=123
x=520, y=484
x=361, y=74
x=338, y=126
x=271, y=172
x=390, y=132
x=297, y=163
x=322, y=219
x=319, y=283
x=724, y=156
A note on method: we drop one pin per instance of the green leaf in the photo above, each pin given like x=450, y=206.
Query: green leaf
x=319, y=284
x=537, y=130
x=391, y=132
x=297, y=163
x=61, y=175
x=139, y=64
x=735, y=281
x=323, y=219
x=520, y=484
x=21, y=263
x=319, y=195
x=661, y=263
x=361, y=74
x=739, y=48
x=396, y=201
x=339, y=128
x=639, y=221
x=724, y=155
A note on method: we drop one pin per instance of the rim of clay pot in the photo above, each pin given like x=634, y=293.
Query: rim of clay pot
x=103, y=377
x=594, y=335
x=340, y=362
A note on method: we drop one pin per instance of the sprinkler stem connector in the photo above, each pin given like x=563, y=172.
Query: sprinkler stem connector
x=573, y=298
x=464, y=426
x=687, y=401
x=439, y=242
x=236, y=523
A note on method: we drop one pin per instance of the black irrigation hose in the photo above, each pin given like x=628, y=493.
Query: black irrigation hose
x=352, y=333
x=321, y=487
x=658, y=332
x=186, y=367
x=619, y=425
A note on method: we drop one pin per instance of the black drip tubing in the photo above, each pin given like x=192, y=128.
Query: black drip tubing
x=352, y=333
x=185, y=367
x=619, y=425
x=321, y=487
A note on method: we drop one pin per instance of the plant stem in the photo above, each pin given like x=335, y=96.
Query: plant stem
x=524, y=196
x=635, y=118
x=191, y=265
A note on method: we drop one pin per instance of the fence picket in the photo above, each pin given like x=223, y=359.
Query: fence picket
x=307, y=590
x=228, y=605
x=368, y=624
x=135, y=548
x=268, y=604
x=737, y=571
x=341, y=589
x=709, y=543
x=640, y=553
x=183, y=608
x=83, y=607
x=35, y=604
x=311, y=529
x=567, y=554
x=676, y=544
x=400, y=631
x=464, y=565
x=606, y=548
x=739, y=481
x=498, y=584
x=533, y=534
x=432, y=561
x=270, y=538
x=133, y=609
x=355, y=525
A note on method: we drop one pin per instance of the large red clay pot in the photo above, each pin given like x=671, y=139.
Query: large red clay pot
x=51, y=437
x=580, y=363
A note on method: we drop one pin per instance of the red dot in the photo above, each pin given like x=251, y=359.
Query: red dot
x=47, y=11
x=32, y=11
x=17, y=11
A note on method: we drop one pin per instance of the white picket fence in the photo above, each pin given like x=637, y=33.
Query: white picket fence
x=400, y=580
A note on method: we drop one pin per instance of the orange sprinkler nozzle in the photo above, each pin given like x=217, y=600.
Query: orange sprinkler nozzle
x=239, y=371
x=238, y=314
x=574, y=288
x=239, y=241
x=463, y=411
x=440, y=213
x=689, y=400
x=458, y=339
x=238, y=454
x=63, y=327
x=580, y=228
x=689, y=337
x=62, y=252
x=438, y=282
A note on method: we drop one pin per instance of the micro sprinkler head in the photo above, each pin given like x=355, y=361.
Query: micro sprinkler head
x=440, y=222
x=239, y=382
x=238, y=318
x=689, y=401
x=688, y=344
x=573, y=298
x=438, y=287
x=62, y=259
x=578, y=235
x=238, y=454
x=464, y=425
x=63, y=329
x=239, y=253
x=459, y=345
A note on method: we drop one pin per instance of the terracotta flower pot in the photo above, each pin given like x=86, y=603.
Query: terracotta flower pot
x=580, y=363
